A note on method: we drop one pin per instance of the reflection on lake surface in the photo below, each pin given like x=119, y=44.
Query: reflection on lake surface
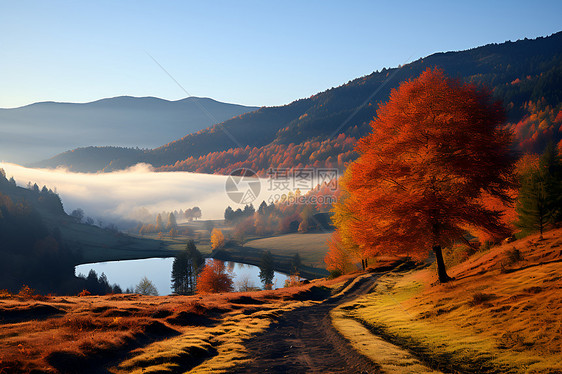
x=128, y=273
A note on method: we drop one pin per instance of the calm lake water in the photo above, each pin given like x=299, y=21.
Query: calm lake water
x=128, y=273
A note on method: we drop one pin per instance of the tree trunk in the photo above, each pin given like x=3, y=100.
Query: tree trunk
x=441, y=272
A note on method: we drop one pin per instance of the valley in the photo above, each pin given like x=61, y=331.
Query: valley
x=406, y=221
x=233, y=332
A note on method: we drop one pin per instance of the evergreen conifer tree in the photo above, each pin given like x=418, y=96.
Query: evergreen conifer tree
x=187, y=265
x=266, y=270
x=295, y=264
x=159, y=223
x=538, y=204
x=172, y=223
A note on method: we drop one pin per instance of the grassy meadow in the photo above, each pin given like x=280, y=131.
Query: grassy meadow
x=140, y=334
x=312, y=247
x=96, y=244
x=501, y=314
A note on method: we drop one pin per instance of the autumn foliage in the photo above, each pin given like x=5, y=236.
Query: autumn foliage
x=437, y=145
x=541, y=124
x=217, y=239
x=338, y=259
x=214, y=278
x=330, y=153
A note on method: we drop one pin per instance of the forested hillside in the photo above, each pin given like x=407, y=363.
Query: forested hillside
x=31, y=253
x=41, y=244
x=526, y=75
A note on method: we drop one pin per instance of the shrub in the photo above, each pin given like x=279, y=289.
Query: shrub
x=481, y=298
x=84, y=293
x=196, y=308
x=214, y=278
x=27, y=292
x=486, y=246
x=514, y=255
x=245, y=284
x=293, y=281
x=335, y=274
x=457, y=254
x=146, y=287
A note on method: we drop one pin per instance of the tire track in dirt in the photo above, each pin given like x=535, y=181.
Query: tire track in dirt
x=304, y=340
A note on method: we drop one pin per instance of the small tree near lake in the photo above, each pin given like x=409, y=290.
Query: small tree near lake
x=217, y=239
x=146, y=287
x=214, y=278
x=266, y=270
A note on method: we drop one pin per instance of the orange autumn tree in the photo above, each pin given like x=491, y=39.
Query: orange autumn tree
x=217, y=239
x=338, y=259
x=214, y=278
x=343, y=251
x=437, y=145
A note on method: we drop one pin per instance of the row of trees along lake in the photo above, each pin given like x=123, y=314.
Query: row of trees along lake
x=191, y=274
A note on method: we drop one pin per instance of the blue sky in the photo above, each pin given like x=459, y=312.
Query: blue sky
x=246, y=52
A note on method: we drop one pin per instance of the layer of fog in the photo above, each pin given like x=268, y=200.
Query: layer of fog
x=127, y=195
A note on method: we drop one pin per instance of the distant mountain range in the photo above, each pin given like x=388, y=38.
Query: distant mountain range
x=316, y=131
x=41, y=130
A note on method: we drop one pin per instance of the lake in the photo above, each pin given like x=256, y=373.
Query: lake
x=128, y=273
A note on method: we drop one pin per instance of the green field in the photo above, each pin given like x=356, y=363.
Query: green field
x=97, y=244
x=179, y=242
x=312, y=248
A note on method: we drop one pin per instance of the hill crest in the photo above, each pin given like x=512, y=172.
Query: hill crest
x=348, y=109
x=40, y=130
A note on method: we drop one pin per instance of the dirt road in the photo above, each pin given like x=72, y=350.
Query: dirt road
x=304, y=341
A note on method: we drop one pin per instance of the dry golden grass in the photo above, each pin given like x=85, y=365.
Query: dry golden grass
x=43, y=334
x=502, y=314
x=391, y=358
x=134, y=333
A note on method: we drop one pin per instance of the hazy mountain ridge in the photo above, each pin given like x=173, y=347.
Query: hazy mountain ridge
x=348, y=109
x=36, y=131
x=91, y=159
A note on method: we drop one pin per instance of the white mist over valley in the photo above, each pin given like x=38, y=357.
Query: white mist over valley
x=131, y=194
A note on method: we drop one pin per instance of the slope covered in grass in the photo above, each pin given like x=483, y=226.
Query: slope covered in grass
x=312, y=247
x=134, y=333
x=503, y=312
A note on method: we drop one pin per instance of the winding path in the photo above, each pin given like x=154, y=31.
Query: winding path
x=304, y=341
